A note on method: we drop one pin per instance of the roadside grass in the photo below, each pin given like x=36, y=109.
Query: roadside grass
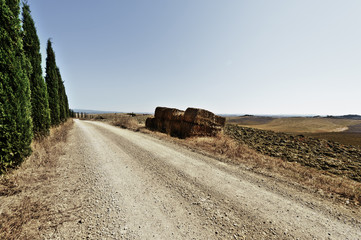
x=20, y=187
x=126, y=122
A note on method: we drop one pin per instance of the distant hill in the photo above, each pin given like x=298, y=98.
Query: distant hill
x=104, y=112
x=93, y=111
x=349, y=116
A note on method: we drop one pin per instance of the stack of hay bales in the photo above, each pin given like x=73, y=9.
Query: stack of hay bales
x=192, y=122
x=200, y=122
x=167, y=120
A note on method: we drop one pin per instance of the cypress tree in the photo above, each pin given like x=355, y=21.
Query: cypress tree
x=67, y=105
x=14, y=7
x=52, y=84
x=71, y=113
x=39, y=95
x=15, y=106
x=63, y=99
x=68, y=113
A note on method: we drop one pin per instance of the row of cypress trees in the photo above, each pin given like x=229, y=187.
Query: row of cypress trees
x=58, y=100
x=28, y=105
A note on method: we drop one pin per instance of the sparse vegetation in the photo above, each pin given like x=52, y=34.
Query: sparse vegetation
x=126, y=121
x=25, y=183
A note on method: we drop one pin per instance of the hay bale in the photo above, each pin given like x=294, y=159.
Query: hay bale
x=221, y=121
x=172, y=127
x=175, y=128
x=150, y=123
x=154, y=124
x=186, y=129
x=163, y=113
x=167, y=126
x=192, y=114
x=99, y=118
x=159, y=112
x=173, y=114
x=203, y=117
x=192, y=122
x=191, y=130
x=159, y=125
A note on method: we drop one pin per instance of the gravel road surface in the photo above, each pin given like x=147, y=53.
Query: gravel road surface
x=119, y=184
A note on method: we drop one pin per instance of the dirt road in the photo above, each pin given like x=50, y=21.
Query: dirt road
x=118, y=184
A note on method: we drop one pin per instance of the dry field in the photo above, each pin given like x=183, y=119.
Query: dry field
x=296, y=124
x=352, y=136
x=347, y=138
x=250, y=120
x=343, y=131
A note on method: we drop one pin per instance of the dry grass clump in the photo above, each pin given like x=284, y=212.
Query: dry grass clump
x=321, y=181
x=222, y=145
x=126, y=122
x=21, y=200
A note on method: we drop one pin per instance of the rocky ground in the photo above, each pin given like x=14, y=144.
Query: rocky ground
x=322, y=154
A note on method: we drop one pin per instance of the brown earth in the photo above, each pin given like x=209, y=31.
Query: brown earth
x=354, y=128
x=345, y=138
x=321, y=154
x=352, y=136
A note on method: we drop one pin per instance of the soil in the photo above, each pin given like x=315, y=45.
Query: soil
x=345, y=138
x=354, y=128
x=321, y=154
x=112, y=183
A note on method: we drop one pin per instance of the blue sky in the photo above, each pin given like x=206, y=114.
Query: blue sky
x=254, y=57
